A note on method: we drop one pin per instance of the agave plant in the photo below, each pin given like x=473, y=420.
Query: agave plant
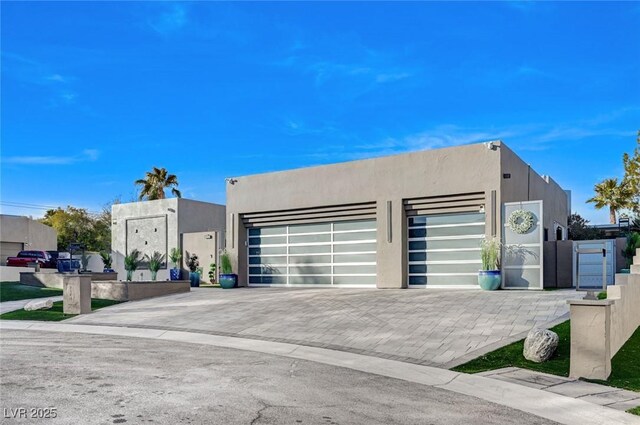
x=175, y=256
x=131, y=263
x=107, y=259
x=155, y=262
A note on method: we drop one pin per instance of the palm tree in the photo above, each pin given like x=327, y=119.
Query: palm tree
x=155, y=182
x=613, y=195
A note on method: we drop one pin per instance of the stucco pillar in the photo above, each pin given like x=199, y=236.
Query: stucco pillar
x=236, y=247
x=590, y=339
x=76, y=294
x=391, y=241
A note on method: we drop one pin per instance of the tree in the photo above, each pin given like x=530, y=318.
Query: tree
x=73, y=224
x=631, y=178
x=614, y=195
x=579, y=229
x=155, y=182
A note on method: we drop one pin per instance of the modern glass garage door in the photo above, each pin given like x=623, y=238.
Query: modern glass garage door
x=444, y=249
x=339, y=253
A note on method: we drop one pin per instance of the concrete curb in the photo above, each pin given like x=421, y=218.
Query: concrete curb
x=547, y=405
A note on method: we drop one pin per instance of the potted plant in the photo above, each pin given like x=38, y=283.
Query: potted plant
x=175, y=256
x=84, y=260
x=227, y=278
x=489, y=276
x=192, y=264
x=212, y=273
x=629, y=251
x=155, y=263
x=131, y=263
x=107, y=261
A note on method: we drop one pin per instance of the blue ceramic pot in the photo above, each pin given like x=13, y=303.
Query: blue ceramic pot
x=194, y=278
x=489, y=280
x=175, y=274
x=228, y=281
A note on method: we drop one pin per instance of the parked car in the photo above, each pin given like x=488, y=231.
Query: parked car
x=25, y=258
x=54, y=258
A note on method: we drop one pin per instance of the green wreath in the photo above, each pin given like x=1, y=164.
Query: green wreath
x=521, y=221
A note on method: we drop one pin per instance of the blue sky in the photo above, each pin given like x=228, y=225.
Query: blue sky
x=94, y=94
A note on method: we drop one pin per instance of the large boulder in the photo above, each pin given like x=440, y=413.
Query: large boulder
x=540, y=345
x=45, y=304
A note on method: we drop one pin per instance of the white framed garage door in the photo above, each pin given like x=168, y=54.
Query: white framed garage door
x=444, y=249
x=341, y=253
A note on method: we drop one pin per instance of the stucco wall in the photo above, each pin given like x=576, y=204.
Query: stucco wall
x=599, y=328
x=180, y=215
x=33, y=234
x=525, y=184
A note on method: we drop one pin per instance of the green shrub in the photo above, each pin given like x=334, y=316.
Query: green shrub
x=225, y=263
x=490, y=254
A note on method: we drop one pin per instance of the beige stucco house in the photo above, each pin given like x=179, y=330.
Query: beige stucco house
x=19, y=233
x=399, y=221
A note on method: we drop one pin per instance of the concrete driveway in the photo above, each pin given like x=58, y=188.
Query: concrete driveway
x=440, y=328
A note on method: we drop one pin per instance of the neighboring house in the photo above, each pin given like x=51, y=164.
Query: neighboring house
x=164, y=224
x=19, y=233
x=413, y=219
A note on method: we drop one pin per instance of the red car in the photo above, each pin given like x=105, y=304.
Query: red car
x=24, y=258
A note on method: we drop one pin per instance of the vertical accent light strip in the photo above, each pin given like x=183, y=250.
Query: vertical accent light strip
x=389, y=234
x=233, y=231
x=493, y=214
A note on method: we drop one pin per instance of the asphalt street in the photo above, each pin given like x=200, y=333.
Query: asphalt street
x=90, y=379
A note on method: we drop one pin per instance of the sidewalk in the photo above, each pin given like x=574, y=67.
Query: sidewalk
x=545, y=404
x=8, y=306
x=612, y=397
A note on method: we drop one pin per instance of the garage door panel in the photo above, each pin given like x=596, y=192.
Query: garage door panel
x=267, y=231
x=268, y=260
x=310, y=259
x=310, y=228
x=355, y=247
x=444, y=255
x=309, y=280
x=354, y=236
x=339, y=253
x=309, y=249
x=268, y=270
x=354, y=258
x=268, y=250
x=354, y=280
x=445, y=249
x=464, y=280
x=443, y=219
x=445, y=244
x=267, y=240
x=355, y=270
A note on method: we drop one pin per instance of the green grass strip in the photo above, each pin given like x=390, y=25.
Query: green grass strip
x=13, y=291
x=54, y=314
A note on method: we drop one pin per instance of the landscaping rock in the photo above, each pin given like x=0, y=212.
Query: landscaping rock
x=540, y=345
x=39, y=305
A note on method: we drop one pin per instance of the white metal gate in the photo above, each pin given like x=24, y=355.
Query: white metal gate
x=591, y=264
x=341, y=253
